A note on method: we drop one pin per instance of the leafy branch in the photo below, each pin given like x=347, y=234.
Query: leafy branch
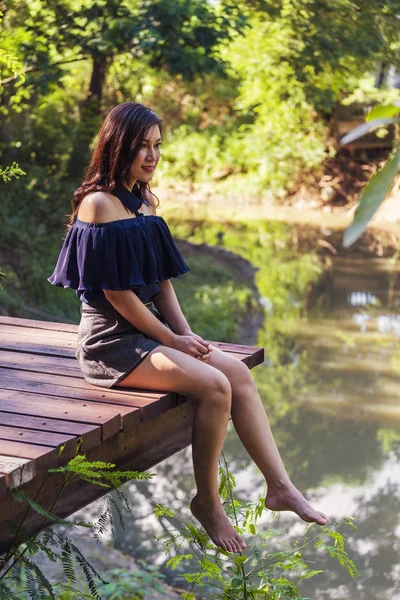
x=18, y=572
x=261, y=573
x=379, y=186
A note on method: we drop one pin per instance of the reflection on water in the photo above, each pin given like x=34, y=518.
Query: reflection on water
x=335, y=410
x=354, y=402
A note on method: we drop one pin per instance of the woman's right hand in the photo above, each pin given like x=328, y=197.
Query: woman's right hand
x=196, y=347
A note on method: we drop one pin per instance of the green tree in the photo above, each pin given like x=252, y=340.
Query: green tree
x=180, y=36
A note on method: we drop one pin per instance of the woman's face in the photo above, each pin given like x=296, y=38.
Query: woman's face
x=143, y=166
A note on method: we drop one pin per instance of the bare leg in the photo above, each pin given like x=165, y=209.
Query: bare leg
x=252, y=426
x=166, y=369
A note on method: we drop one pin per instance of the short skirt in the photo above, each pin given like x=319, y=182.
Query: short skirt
x=108, y=346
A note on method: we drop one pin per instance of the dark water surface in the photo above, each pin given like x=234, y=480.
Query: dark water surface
x=348, y=431
x=337, y=424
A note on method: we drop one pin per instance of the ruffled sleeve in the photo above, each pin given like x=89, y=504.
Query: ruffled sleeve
x=118, y=255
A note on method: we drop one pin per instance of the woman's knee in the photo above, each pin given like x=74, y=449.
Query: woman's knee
x=239, y=373
x=216, y=389
x=236, y=371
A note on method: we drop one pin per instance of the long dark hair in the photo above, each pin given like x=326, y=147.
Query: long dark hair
x=117, y=146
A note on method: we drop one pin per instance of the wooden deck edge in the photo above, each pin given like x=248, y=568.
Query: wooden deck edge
x=138, y=449
x=156, y=432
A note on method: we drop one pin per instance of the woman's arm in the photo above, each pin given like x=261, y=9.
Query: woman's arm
x=133, y=310
x=168, y=306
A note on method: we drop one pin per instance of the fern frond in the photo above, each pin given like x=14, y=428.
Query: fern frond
x=42, y=583
x=16, y=572
x=83, y=562
x=5, y=592
x=160, y=510
x=102, y=522
x=69, y=592
x=123, y=499
x=98, y=472
x=31, y=584
x=118, y=511
x=21, y=496
x=68, y=562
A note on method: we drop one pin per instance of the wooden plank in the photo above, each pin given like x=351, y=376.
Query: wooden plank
x=23, y=346
x=15, y=345
x=45, y=399
x=142, y=405
x=36, y=405
x=26, y=361
x=66, y=339
x=34, y=341
x=76, y=387
x=236, y=349
x=48, y=329
x=90, y=434
x=17, y=471
x=148, y=445
x=32, y=436
x=44, y=456
x=35, y=334
x=36, y=324
x=46, y=363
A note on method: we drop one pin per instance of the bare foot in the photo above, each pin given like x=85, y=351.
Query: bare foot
x=217, y=525
x=289, y=498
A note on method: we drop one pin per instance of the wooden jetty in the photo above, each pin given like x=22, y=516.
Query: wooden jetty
x=46, y=405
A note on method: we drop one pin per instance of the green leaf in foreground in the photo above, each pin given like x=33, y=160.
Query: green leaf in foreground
x=371, y=198
x=365, y=128
x=383, y=111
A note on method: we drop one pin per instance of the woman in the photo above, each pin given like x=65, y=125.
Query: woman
x=133, y=332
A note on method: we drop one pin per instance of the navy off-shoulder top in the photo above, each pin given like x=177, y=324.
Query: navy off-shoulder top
x=135, y=254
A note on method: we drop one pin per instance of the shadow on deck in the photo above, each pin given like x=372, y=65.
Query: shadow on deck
x=45, y=403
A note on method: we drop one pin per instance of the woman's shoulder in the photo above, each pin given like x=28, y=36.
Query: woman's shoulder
x=97, y=207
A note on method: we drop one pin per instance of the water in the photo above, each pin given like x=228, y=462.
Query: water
x=353, y=418
x=335, y=415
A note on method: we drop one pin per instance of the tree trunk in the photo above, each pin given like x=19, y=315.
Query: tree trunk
x=90, y=119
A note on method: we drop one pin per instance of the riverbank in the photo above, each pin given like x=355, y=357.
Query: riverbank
x=314, y=226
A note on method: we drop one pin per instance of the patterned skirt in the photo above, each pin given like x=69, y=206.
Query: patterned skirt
x=108, y=346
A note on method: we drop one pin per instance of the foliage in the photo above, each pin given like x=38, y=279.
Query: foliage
x=11, y=171
x=283, y=276
x=10, y=62
x=260, y=572
x=241, y=125
x=19, y=574
x=275, y=130
x=131, y=585
x=181, y=37
x=212, y=299
x=29, y=241
x=333, y=44
x=376, y=190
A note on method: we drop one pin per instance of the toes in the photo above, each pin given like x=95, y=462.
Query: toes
x=240, y=543
x=318, y=518
x=226, y=546
x=323, y=518
x=222, y=545
x=237, y=546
